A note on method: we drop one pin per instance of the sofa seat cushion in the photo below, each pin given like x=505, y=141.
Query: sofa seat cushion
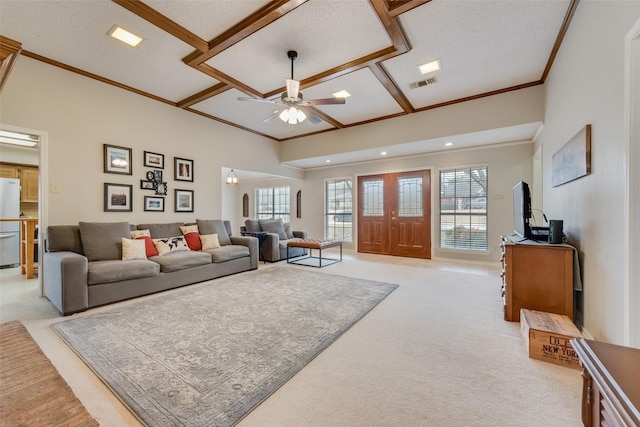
x=228, y=252
x=181, y=260
x=117, y=270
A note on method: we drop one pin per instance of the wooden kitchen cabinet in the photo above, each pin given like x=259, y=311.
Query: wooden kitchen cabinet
x=536, y=276
x=8, y=171
x=29, y=184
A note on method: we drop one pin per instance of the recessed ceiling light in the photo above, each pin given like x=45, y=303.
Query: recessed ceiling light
x=429, y=67
x=383, y=153
x=448, y=144
x=124, y=36
x=341, y=94
x=328, y=161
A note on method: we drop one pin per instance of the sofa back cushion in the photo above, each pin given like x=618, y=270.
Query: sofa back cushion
x=214, y=226
x=252, y=225
x=274, y=226
x=64, y=238
x=103, y=240
x=160, y=231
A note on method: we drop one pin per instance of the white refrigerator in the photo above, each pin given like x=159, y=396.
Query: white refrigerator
x=9, y=231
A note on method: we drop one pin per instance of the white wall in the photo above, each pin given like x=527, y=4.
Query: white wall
x=586, y=85
x=81, y=114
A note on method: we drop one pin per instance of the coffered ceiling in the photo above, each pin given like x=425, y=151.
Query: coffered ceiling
x=201, y=55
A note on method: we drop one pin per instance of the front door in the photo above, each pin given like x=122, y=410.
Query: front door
x=394, y=214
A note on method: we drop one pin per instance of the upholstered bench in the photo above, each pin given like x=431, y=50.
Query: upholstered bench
x=312, y=244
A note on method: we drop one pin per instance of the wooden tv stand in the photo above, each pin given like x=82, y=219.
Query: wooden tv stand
x=536, y=276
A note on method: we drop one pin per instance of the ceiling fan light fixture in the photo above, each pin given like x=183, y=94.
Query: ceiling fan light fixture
x=292, y=115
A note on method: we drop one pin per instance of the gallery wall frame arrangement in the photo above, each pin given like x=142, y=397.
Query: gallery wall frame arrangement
x=183, y=200
x=183, y=169
x=117, y=160
x=118, y=197
x=153, y=160
x=153, y=204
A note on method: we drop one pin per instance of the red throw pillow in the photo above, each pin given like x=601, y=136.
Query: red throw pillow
x=149, y=247
x=193, y=240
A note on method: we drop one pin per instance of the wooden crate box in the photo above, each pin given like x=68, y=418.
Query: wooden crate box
x=547, y=336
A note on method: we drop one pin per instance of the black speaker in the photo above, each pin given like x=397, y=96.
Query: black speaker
x=555, y=231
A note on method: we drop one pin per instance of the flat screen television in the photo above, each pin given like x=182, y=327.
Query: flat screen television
x=521, y=209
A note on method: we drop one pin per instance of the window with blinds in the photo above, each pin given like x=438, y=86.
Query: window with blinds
x=338, y=210
x=273, y=202
x=463, y=208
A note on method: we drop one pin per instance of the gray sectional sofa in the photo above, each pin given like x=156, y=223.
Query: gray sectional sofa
x=84, y=267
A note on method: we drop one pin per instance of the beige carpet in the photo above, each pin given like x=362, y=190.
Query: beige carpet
x=32, y=393
x=436, y=352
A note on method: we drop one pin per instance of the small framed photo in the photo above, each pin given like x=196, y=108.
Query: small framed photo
x=157, y=176
x=184, y=200
x=151, y=176
x=153, y=160
x=160, y=187
x=117, y=160
x=153, y=204
x=147, y=185
x=183, y=169
x=117, y=197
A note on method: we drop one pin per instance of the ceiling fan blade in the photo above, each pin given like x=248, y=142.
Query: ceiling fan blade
x=293, y=87
x=313, y=118
x=271, y=117
x=326, y=101
x=245, y=98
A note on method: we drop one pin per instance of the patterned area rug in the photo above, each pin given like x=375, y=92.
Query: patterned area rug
x=208, y=354
x=32, y=392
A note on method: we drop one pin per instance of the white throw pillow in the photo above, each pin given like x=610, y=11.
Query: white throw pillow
x=189, y=228
x=209, y=241
x=133, y=249
x=170, y=244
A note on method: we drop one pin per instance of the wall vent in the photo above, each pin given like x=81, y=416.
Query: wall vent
x=429, y=81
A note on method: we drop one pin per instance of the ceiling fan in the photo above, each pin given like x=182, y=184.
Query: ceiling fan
x=294, y=107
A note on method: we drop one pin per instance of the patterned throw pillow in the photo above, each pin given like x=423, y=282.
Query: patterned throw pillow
x=192, y=236
x=138, y=233
x=209, y=241
x=150, y=248
x=170, y=244
x=133, y=249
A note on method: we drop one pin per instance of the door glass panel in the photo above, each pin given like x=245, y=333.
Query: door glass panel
x=410, y=196
x=373, y=198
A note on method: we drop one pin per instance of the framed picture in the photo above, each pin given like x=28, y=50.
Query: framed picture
x=153, y=160
x=153, y=204
x=183, y=169
x=147, y=185
x=157, y=175
x=160, y=187
x=184, y=200
x=573, y=159
x=117, y=197
x=117, y=160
